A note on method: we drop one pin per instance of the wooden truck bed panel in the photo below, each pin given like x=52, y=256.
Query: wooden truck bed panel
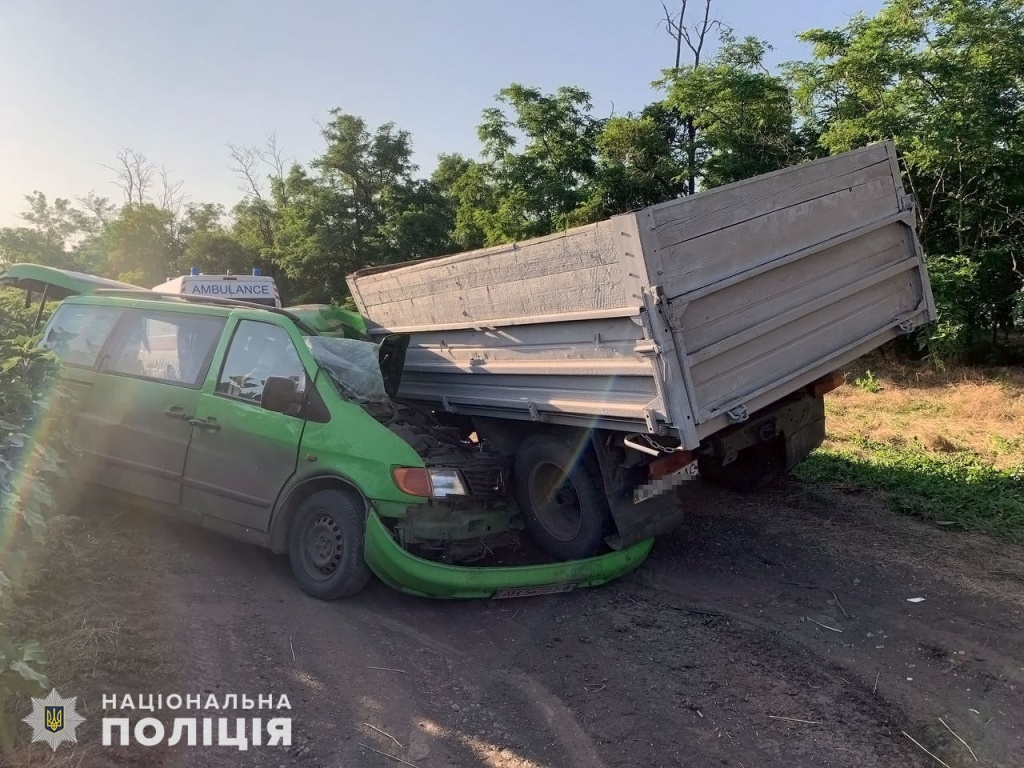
x=575, y=271
x=678, y=318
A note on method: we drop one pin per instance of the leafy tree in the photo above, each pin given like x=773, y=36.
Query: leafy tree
x=200, y=217
x=208, y=245
x=22, y=244
x=640, y=160
x=539, y=163
x=55, y=235
x=467, y=189
x=141, y=245
x=358, y=205
x=59, y=221
x=216, y=252
x=693, y=37
x=742, y=114
x=941, y=78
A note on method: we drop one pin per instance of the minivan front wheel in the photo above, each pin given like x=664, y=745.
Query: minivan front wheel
x=325, y=545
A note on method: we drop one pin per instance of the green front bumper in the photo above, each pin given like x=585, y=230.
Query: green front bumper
x=425, y=578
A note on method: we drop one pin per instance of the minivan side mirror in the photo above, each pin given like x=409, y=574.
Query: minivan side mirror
x=281, y=395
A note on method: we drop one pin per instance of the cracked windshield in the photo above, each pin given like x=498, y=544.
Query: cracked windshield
x=585, y=384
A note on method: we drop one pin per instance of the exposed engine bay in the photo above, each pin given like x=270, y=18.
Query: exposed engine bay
x=462, y=526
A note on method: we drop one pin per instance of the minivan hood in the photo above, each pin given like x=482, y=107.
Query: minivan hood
x=331, y=320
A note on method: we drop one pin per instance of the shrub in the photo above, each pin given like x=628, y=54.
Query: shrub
x=28, y=469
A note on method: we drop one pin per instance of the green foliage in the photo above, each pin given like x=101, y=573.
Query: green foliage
x=539, y=154
x=742, y=114
x=58, y=234
x=958, y=490
x=358, y=205
x=868, y=382
x=26, y=390
x=941, y=78
x=641, y=160
x=141, y=245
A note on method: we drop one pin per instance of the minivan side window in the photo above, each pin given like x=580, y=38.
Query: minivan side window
x=171, y=347
x=258, y=351
x=77, y=332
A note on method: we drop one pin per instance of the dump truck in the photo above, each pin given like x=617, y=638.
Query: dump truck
x=614, y=363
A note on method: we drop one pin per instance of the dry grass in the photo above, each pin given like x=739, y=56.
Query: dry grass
x=84, y=596
x=980, y=411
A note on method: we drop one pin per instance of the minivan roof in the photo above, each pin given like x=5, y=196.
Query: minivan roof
x=61, y=284
x=182, y=303
x=58, y=283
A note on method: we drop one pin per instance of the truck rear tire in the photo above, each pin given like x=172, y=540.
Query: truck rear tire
x=752, y=468
x=561, y=498
x=325, y=545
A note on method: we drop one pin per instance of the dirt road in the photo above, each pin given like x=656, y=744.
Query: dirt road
x=770, y=631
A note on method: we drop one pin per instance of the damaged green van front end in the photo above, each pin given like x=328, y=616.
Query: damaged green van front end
x=426, y=578
x=368, y=374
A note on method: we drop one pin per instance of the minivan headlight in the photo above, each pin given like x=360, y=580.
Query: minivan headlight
x=447, y=482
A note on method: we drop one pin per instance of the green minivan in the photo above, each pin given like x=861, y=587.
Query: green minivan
x=271, y=427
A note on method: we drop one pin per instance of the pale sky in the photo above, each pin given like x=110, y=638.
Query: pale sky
x=179, y=80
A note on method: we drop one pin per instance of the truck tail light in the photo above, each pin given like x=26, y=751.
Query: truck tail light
x=414, y=481
x=825, y=385
x=669, y=464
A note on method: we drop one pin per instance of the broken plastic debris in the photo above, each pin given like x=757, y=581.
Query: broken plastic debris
x=915, y=599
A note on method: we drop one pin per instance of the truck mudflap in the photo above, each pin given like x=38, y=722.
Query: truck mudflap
x=650, y=511
x=415, y=576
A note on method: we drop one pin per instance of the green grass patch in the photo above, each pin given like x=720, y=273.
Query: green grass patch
x=869, y=383
x=957, y=489
x=1007, y=446
x=923, y=408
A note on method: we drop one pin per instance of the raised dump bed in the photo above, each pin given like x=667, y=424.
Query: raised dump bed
x=678, y=319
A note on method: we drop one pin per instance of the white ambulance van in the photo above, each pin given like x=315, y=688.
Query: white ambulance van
x=255, y=288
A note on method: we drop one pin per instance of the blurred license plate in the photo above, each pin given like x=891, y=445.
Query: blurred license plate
x=548, y=589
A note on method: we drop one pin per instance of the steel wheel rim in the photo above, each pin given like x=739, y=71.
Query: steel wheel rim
x=555, y=502
x=323, y=545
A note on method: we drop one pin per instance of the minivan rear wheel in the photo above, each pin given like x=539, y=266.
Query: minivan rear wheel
x=325, y=545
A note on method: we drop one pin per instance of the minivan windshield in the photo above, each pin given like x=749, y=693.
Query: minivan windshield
x=353, y=365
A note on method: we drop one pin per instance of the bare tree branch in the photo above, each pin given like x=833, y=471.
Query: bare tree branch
x=696, y=43
x=171, y=196
x=272, y=156
x=694, y=38
x=134, y=175
x=674, y=27
x=247, y=163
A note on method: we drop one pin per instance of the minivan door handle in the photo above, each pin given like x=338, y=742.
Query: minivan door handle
x=210, y=423
x=177, y=412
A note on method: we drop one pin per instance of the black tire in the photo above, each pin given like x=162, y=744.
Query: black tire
x=325, y=545
x=561, y=497
x=751, y=469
